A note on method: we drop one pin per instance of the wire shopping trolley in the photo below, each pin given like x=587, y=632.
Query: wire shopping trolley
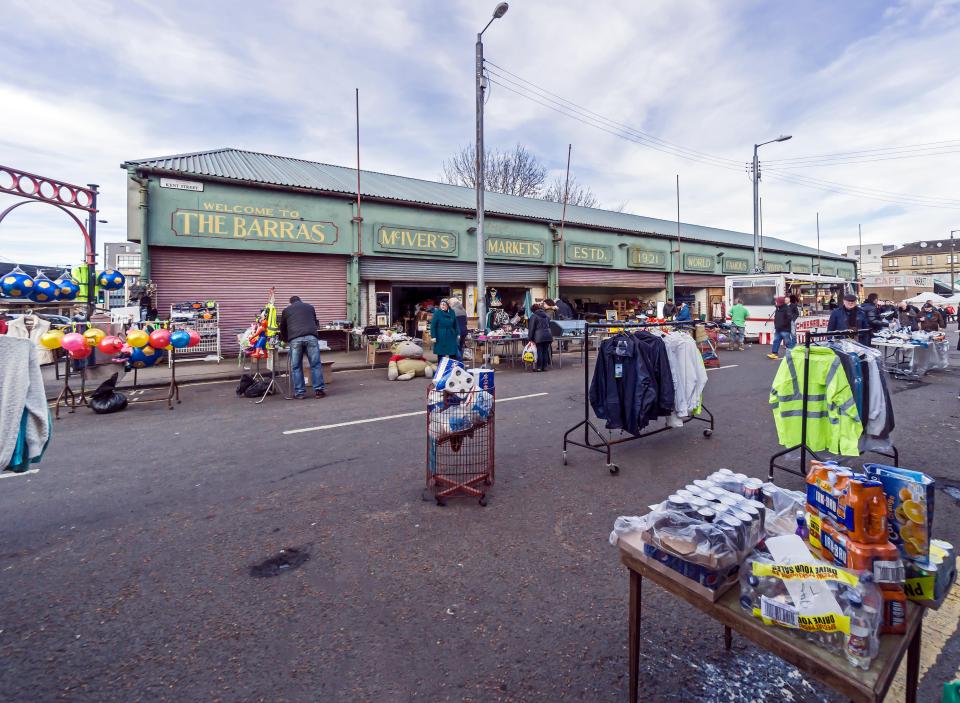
x=460, y=443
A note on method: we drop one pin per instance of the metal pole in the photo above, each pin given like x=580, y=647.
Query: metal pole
x=757, y=263
x=359, y=216
x=481, y=284
x=953, y=258
x=679, y=261
x=91, y=263
x=760, y=201
x=860, y=257
x=566, y=192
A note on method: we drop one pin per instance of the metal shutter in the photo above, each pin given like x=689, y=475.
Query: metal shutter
x=240, y=281
x=609, y=278
x=698, y=280
x=426, y=270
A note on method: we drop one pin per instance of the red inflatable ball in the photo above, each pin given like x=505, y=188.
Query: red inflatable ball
x=110, y=345
x=74, y=342
x=81, y=352
x=160, y=339
x=194, y=338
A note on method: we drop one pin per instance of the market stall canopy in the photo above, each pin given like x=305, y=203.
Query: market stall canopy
x=927, y=297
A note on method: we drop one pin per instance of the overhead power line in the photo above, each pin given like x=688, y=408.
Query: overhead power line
x=532, y=92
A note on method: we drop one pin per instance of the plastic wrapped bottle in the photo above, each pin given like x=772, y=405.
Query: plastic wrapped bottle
x=858, y=646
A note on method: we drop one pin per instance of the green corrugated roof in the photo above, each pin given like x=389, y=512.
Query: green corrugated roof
x=254, y=167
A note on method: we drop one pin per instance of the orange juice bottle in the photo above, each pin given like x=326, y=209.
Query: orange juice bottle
x=865, y=511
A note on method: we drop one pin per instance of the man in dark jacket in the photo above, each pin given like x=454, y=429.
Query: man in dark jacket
x=872, y=311
x=782, y=327
x=668, y=309
x=538, y=329
x=849, y=316
x=565, y=310
x=298, y=328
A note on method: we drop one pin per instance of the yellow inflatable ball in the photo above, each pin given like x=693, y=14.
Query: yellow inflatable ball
x=51, y=339
x=137, y=338
x=93, y=336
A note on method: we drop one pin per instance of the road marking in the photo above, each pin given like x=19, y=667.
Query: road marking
x=11, y=474
x=939, y=627
x=394, y=417
x=728, y=366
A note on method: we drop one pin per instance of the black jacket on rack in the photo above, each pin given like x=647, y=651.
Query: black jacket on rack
x=623, y=391
x=654, y=354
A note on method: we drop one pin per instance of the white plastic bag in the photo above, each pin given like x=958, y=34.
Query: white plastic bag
x=530, y=353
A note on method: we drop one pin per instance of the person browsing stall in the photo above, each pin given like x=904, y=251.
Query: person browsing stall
x=461, y=314
x=849, y=316
x=298, y=328
x=738, y=324
x=445, y=331
x=538, y=330
x=683, y=314
x=930, y=318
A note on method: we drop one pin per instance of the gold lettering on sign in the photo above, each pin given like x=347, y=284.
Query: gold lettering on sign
x=231, y=225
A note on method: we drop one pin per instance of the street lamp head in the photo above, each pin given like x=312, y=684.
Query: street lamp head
x=500, y=10
x=783, y=137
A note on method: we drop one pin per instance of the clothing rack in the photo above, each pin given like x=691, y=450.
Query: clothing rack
x=604, y=447
x=804, y=449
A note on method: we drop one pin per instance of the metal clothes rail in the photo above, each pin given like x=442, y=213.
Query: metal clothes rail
x=605, y=443
x=812, y=337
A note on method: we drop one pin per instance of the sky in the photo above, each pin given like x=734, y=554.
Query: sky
x=89, y=85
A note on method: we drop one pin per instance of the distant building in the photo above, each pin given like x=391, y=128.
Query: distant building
x=125, y=257
x=934, y=257
x=869, y=257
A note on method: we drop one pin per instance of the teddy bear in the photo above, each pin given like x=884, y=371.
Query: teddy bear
x=407, y=361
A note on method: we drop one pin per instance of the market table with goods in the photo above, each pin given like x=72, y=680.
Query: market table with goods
x=834, y=580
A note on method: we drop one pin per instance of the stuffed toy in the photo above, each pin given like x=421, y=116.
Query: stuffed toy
x=407, y=361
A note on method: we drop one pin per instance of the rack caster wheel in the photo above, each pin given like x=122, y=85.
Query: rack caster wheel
x=483, y=500
x=564, y=458
x=707, y=433
x=613, y=468
x=441, y=503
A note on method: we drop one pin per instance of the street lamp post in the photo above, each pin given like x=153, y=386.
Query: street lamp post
x=757, y=263
x=498, y=12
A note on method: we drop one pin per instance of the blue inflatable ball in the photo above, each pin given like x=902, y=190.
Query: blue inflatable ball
x=179, y=339
x=144, y=357
x=16, y=284
x=43, y=290
x=111, y=279
x=67, y=287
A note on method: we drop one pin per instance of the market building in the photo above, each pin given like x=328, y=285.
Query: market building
x=229, y=224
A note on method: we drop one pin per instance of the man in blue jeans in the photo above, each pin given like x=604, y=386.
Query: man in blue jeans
x=298, y=328
x=782, y=327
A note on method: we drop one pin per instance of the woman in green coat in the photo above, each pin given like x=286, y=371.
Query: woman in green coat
x=445, y=332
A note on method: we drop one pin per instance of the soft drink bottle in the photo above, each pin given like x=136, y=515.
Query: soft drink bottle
x=857, y=647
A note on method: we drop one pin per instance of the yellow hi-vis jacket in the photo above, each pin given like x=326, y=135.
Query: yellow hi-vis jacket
x=832, y=420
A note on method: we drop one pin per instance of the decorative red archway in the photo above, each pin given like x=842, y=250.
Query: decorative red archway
x=63, y=196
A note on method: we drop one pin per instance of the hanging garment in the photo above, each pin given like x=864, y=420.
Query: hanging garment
x=18, y=328
x=654, y=354
x=622, y=391
x=21, y=393
x=832, y=420
x=688, y=372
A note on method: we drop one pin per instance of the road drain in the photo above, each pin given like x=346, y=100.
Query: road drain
x=287, y=560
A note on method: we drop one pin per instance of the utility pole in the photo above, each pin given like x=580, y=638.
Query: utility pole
x=757, y=255
x=953, y=259
x=860, y=252
x=819, y=255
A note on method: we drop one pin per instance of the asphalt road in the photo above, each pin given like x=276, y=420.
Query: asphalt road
x=129, y=562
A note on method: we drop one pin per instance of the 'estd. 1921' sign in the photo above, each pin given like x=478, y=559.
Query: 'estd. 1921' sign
x=596, y=254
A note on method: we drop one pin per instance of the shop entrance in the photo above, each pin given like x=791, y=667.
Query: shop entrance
x=408, y=300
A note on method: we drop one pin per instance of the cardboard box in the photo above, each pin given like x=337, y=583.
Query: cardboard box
x=909, y=496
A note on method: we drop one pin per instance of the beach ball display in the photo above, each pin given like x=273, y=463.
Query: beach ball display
x=51, y=339
x=145, y=357
x=194, y=338
x=16, y=284
x=137, y=338
x=73, y=341
x=179, y=339
x=67, y=287
x=81, y=353
x=110, y=345
x=160, y=339
x=43, y=290
x=93, y=336
x=111, y=279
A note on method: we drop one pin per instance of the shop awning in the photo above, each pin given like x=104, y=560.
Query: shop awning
x=377, y=268
x=610, y=278
x=698, y=280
